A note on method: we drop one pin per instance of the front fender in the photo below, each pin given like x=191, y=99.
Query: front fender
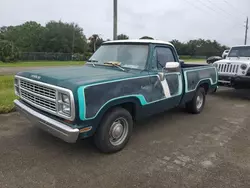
x=96, y=120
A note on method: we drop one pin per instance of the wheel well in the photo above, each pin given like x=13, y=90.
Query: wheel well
x=130, y=107
x=205, y=86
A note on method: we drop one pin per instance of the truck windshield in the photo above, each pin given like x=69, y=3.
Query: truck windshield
x=242, y=51
x=127, y=55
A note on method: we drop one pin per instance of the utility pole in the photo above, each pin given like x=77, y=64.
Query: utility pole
x=115, y=21
x=246, y=32
x=73, y=42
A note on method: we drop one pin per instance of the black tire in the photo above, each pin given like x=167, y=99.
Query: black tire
x=103, y=135
x=192, y=106
x=215, y=90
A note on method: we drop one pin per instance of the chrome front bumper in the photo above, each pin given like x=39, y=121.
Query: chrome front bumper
x=50, y=125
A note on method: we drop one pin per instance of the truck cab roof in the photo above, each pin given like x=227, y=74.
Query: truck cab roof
x=147, y=41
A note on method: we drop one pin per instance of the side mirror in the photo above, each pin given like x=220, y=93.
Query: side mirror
x=172, y=65
x=181, y=62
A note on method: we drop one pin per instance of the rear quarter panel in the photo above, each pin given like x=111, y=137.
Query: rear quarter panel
x=196, y=76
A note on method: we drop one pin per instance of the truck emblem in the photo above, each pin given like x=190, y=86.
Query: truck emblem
x=35, y=76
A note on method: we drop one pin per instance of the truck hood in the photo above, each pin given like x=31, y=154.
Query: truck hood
x=72, y=77
x=235, y=61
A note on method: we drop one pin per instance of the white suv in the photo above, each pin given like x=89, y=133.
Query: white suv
x=234, y=71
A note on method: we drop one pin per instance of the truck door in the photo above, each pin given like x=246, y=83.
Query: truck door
x=172, y=82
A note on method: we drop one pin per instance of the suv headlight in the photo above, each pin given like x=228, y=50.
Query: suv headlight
x=243, y=66
x=64, y=106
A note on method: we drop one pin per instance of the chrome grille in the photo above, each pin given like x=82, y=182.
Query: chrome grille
x=45, y=96
x=228, y=68
x=38, y=95
x=38, y=89
x=38, y=100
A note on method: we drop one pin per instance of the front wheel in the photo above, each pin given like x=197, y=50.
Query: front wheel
x=196, y=105
x=114, y=131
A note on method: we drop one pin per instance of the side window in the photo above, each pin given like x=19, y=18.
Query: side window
x=161, y=56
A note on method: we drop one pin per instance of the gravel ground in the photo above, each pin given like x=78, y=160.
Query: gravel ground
x=173, y=149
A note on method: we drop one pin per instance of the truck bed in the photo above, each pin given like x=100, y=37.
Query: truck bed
x=188, y=65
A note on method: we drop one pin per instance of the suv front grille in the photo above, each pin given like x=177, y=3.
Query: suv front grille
x=227, y=68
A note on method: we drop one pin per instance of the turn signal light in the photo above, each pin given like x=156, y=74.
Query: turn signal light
x=85, y=129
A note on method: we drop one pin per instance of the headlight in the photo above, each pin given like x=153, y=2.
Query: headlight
x=64, y=104
x=243, y=66
x=65, y=98
x=66, y=109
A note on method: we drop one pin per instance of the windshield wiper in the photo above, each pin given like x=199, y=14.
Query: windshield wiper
x=115, y=65
x=92, y=61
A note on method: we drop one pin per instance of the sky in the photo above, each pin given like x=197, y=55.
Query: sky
x=221, y=20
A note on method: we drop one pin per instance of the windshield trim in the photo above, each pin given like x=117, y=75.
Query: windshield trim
x=124, y=43
x=102, y=64
x=239, y=48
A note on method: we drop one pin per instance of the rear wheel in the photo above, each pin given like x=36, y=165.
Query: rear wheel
x=196, y=105
x=114, y=131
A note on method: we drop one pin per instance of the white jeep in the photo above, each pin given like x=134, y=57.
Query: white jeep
x=234, y=71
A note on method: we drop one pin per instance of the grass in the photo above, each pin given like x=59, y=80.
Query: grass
x=7, y=94
x=41, y=63
x=194, y=60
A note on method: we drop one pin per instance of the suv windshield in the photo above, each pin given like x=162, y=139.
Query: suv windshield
x=128, y=55
x=242, y=51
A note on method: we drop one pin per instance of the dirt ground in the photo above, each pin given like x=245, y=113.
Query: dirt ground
x=173, y=149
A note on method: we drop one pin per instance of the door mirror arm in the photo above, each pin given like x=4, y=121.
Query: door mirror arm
x=161, y=75
x=169, y=67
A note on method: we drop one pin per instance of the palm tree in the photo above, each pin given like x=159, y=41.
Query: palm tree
x=93, y=39
x=122, y=37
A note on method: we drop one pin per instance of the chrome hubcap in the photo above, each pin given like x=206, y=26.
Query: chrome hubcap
x=199, y=101
x=118, y=131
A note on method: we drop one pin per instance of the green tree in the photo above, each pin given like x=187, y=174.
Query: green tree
x=181, y=48
x=147, y=37
x=64, y=37
x=27, y=37
x=199, y=47
x=8, y=51
x=122, y=37
x=95, y=42
x=3, y=30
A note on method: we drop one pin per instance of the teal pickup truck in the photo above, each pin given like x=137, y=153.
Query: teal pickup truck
x=124, y=81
